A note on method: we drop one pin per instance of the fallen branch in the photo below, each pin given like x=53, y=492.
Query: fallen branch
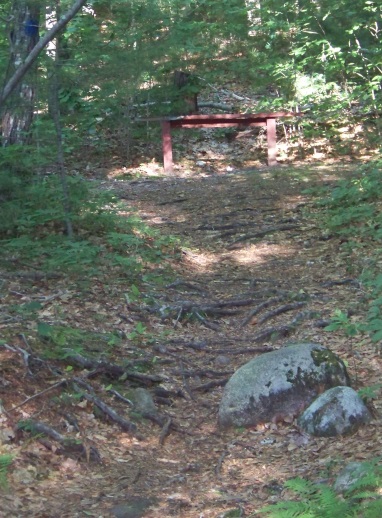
x=59, y=384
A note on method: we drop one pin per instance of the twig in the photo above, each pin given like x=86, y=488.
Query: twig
x=58, y=384
x=165, y=431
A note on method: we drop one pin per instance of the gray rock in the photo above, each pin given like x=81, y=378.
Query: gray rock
x=135, y=507
x=222, y=360
x=349, y=475
x=143, y=401
x=279, y=383
x=338, y=411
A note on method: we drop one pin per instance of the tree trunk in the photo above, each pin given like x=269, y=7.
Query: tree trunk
x=24, y=34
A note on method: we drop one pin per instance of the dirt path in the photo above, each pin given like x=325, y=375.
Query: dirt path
x=255, y=272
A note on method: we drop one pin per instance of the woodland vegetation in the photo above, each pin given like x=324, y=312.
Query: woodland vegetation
x=80, y=81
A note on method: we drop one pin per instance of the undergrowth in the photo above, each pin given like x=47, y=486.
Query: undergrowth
x=5, y=462
x=313, y=500
x=107, y=234
x=352, y=211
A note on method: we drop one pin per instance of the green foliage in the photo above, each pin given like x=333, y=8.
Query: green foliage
x=341, y=321
x=62, y=338
x=32, y=228
x=321, y=501
x=353, y=205
x=352, y=208
x=5, y=462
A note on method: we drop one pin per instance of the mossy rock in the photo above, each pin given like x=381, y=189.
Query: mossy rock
x=279, y=384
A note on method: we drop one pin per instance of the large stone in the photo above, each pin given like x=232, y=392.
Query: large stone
x=338, y=411
x=280, y=383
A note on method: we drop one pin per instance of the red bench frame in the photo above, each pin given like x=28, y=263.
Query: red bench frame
x=267, y=120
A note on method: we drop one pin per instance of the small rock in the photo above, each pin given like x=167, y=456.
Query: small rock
x=135, y=507
x=222, y=360
x=143, y=401
x=349, y=475
x=337, y=411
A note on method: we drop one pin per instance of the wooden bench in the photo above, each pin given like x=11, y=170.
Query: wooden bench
x=267, y=120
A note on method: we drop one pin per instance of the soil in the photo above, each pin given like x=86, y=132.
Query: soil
x=254, y=272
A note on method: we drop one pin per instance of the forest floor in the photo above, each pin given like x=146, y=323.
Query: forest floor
x=255, y=272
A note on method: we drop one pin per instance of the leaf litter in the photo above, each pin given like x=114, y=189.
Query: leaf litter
x=253, y=274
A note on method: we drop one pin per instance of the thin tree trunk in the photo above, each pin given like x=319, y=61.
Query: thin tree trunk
x=56, y=115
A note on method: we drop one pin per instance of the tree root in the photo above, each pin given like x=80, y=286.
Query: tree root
x=127, y=426
x=236, y=244
x=69, y=447
x=111, y=369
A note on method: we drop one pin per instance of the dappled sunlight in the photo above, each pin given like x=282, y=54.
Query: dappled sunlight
x=247, y=255
x=259, y=253
x=202, y=261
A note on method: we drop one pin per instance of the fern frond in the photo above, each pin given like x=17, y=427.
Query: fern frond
x=5, y=462
x=372, y=509
x=302, y=487
x=370, y=480
x=289, y=509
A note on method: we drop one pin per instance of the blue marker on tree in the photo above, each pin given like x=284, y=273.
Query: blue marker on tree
x=31, y=28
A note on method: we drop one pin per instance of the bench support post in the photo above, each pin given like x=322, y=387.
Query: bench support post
x=167, y=147
x=271, y=140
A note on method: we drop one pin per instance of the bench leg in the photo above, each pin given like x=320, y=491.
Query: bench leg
x=167, y=147
x=271, y=140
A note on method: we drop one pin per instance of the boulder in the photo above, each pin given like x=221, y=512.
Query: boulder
x=337, y=411
x=279, y=383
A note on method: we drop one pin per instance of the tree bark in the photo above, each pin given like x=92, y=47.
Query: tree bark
x=23, y=36
x=16, y=78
